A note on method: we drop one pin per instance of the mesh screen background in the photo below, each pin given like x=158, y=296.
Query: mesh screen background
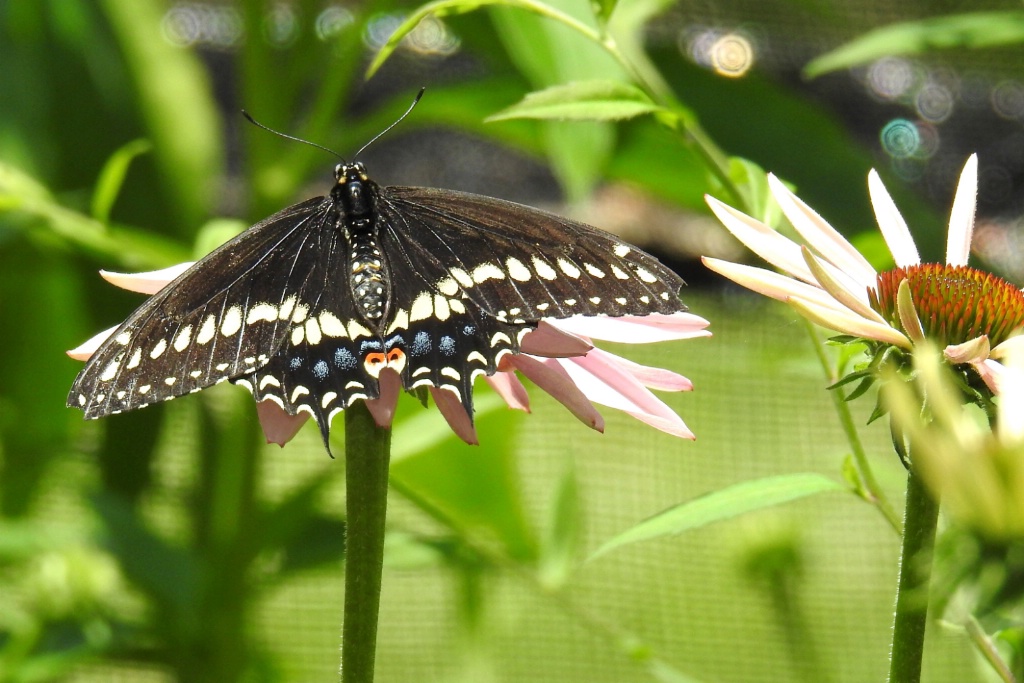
x=759, y=409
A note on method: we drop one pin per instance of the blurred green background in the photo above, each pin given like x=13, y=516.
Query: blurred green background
x=172, y=544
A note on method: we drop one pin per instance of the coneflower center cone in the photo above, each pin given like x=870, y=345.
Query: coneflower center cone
x=954, y=303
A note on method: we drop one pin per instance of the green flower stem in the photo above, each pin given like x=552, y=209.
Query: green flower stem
x=367, y=455
x=920, y=518
x=987, y=650
x=867, y=476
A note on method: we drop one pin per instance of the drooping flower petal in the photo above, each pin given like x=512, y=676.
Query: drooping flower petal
x=777, y=250
x=551, y=376
x=85, y=350
x=278, y=426
x=604, y=382
x=971, y=351
x=655, y=327
x=146, y=283
x=828, y=241
x=890, y=222
x=383, y=407
x=849, y=323
x=511, y=390
x=654, y=378
x=907, y=312
x=454, y=414
x=961, y=218
x=550, y=340
x=769, y=283
x=854, y=299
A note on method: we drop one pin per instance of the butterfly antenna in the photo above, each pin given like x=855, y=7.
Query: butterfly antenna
x=415, y=101
x=292, y=137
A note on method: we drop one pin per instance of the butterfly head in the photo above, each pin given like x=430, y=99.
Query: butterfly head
x=353, y=188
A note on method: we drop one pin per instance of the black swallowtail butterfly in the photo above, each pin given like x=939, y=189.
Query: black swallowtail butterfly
x=308, y=306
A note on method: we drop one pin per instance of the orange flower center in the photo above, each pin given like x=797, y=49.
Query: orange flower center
x=955, y=303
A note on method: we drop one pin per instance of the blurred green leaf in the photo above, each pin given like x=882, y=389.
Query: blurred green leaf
x=165, y=572
x=729, y=502
x=446, y=8
x=603, y=10
x=176, y=102
x=562, y=539
x=973, y=30
x=474, y=489
x=111, y=178
x=137, y=249
x=550, y=53
x=593, y=100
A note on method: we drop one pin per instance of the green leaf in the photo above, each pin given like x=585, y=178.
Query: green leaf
x=176, y=102
x=474, y=490
x=591, y=100
x=445, y=8
x=730, y=502
x=561, y=543
x=111, y=178
x=973, y=30
x=603, y=9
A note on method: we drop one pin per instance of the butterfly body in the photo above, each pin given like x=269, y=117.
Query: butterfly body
x=308, y=307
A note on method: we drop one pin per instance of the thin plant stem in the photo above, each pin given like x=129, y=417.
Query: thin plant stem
x=919, y=521
x=987, y=650
x=367, y=457
x=876, y=496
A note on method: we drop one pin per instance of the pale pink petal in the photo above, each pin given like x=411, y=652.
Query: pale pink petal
x=383, y=408
x=825, y=239
x=769, y=283
x=907, y=312
x=551, y=341
x=636, y=329
x=278, y=426
x=673, y=425
x=85, y=350
x=972, y=351
x=454, y=414
x=508, y=386
x=991, y=371
x=856, y=299
x=1011, y=400
x=1011, y=347
x=653, y=378
x=961, y=218
x=145, y=283
x=777, y=250
x=890, y=222
x=849, y=323
x=549, y=375
x=603, y=381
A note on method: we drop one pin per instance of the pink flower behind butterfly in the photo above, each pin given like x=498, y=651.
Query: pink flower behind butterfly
x=558, y=356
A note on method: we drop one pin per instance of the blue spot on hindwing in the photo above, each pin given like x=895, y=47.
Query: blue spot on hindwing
x=469, y=330
x=447, y=345
x=320, y=369
x=295, y=363
x=344, y=359
x=420, y=344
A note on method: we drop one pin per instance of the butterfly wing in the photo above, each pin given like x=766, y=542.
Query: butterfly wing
x=225, y=316
x=522, y=264
x=472, y=275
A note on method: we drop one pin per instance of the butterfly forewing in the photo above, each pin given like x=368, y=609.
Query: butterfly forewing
x=225, y=315
x=521, y=264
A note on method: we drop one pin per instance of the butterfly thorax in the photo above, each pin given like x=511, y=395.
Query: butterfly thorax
x=368, y=276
